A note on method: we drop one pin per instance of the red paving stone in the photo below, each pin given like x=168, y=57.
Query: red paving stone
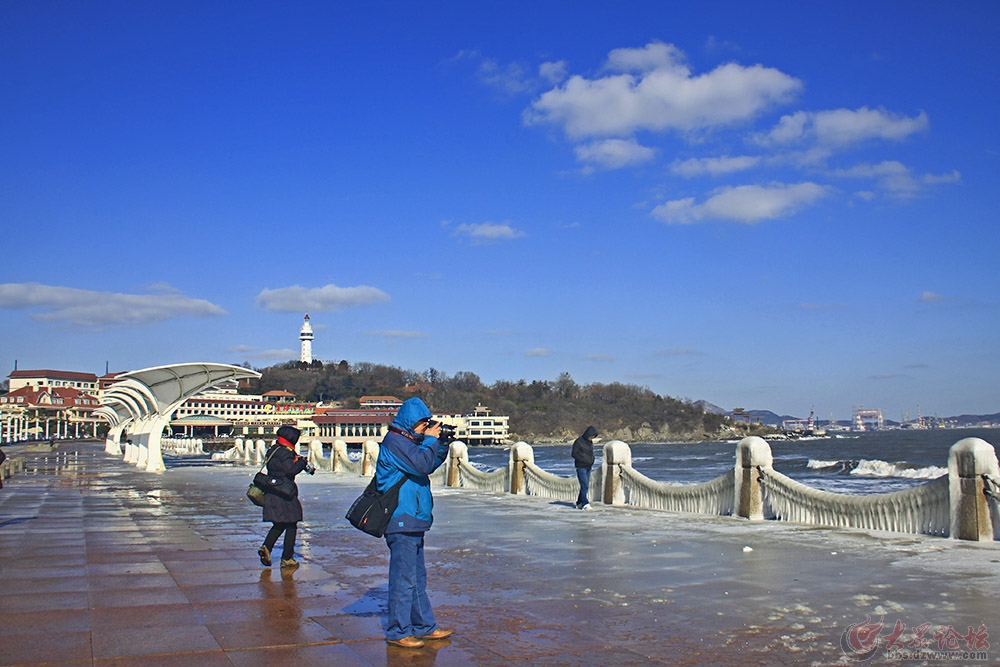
x=104, y=564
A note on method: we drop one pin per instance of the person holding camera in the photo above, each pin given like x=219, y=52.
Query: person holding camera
x=411, y=451
x=281, y=506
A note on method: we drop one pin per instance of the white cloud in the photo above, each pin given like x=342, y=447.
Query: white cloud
x=744, y=203
x=931, y=297
x=935, y=179
x=511, y=78
x=103, y=309
x=553, y=72
x=285, y=353
x=614, y=153
x=538, y=352
x=839, y=128
x=653, y=89
x=397, y=334
x=601, y=358
x=714, y=166
x=486, y=232
x=678, y=352
x=896, y=179
x=318, y=299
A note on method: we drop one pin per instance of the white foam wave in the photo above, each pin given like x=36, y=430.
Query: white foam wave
x=822, y=464
x=878, y=468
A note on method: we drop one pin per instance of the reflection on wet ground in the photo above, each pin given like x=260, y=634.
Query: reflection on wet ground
x=126, y=566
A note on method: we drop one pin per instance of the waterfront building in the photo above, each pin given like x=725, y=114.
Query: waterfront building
x=45, y=411
x=479, y=427
x=49, y=378
x=220, y=412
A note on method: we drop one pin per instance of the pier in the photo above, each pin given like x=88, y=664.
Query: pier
x=124, y=566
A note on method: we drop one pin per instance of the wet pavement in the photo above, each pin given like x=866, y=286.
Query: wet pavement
x=103, y=564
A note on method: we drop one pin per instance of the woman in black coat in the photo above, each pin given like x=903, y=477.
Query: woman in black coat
x=283, y=513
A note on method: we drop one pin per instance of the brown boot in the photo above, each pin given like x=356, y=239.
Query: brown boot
x=406, y=642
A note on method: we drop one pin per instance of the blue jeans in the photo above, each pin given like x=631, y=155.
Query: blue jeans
x=583, y=474
x=410, y=612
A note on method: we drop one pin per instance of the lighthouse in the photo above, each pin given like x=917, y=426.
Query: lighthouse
x=306, y=336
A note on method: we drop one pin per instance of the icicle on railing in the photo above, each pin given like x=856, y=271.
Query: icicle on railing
x=992, y=491
x=712, y=497
x=544, y=484
x=461, y=473
x=340, y=461
x=923, y=509
x=234, y=453
x=497, y=481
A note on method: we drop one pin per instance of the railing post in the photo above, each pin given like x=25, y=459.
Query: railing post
x=968, y=461
x=520, y=454
x=616, y=455
x=339, y=455
x=752, y=453
x=369, y=457
x=457, y=453
x=316, y=454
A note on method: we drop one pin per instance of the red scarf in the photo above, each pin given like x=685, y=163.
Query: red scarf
x=282, y=441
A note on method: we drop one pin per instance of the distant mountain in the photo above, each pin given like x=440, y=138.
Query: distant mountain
x=773, y=419
x=767, y=417
x=710, y=408
x=975, y=420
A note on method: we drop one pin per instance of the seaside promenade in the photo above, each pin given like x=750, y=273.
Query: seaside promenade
x=104, y=564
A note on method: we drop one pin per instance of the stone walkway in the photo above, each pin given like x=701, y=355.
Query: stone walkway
x=103, y=564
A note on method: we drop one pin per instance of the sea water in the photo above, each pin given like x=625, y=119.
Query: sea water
x=854, y=463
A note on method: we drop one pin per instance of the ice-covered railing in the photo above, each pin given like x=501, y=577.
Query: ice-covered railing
x=189, y=446
x=713, y=497
x=963, y=504
x=957, y=504
x=457, y=471
x=244, y=452
x=923, y=509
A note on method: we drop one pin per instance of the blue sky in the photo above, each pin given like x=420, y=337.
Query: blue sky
x=765, y=205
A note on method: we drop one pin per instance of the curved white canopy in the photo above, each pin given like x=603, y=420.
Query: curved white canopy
x=149, y=396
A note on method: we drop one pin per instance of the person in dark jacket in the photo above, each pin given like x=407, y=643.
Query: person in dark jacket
x=583, y=458
x=283, y=513
x=410, y=450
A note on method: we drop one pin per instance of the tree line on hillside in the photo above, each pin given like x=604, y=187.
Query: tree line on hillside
x=538, y=409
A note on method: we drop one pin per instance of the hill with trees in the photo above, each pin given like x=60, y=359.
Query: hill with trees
x=539, y=410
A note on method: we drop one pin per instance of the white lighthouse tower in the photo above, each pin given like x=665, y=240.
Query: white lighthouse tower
x=306, y=336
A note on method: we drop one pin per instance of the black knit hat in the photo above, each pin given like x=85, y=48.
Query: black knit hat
x=289, y=433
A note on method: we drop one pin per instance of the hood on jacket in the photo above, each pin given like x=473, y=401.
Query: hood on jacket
x=410, y=412
x=590, y=433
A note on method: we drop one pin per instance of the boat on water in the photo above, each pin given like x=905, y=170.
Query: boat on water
x=798, y=428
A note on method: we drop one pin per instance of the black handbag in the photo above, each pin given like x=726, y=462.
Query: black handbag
x=260, y=484
x=371, y=512
x=279, y=486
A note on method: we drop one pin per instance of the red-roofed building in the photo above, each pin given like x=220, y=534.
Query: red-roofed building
x=33, y=412
x=50, y=378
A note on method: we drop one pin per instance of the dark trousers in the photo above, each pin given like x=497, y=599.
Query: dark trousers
x=583, y=474
x=289, y=529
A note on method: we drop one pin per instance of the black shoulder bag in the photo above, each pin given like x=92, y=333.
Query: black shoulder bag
x=371, y=512
x=261, y=483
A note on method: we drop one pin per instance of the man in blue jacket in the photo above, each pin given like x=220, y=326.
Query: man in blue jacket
x=412, y=450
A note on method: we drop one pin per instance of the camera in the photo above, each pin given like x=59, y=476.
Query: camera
x=310, y=468
x=447, y=432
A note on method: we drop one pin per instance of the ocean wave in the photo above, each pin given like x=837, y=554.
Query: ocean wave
x=877, y=468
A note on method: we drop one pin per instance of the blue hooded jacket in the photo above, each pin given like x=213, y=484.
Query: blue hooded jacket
x=404, y=452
